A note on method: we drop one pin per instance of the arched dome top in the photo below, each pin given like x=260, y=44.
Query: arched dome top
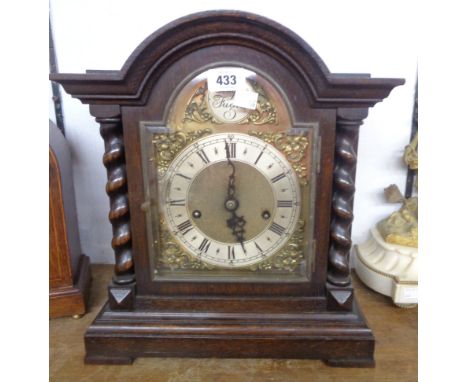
x=155, y=54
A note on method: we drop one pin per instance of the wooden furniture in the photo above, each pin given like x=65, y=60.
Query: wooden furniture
x=165, y=298
x=69, y=274
x=396, y=350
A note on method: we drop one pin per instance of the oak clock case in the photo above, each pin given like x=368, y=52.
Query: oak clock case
x=231, y=208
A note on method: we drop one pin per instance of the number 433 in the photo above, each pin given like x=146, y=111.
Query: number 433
x=226, y=80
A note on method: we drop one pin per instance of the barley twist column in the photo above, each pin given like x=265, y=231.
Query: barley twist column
x=347, y=133
x=116, y=187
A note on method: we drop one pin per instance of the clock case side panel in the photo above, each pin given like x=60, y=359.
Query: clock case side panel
x=157, y=109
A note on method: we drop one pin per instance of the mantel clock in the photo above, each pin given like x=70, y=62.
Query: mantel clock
x=231, y=154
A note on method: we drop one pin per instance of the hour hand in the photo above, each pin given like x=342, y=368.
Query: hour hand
x=237, y=224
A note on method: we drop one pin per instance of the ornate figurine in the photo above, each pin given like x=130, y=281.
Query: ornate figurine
x=388, y=261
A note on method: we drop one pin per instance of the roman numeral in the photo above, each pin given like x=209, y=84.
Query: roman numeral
x=185, y=227
x=230, y=149
x=203, y=156
x=276, y=228
x=183, y=176
x=180, y=202
x=231, y=254
x=278, y=177
x=285, y=203
x=205, y=244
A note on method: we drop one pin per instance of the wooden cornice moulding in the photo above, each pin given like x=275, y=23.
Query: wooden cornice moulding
x=131, y=85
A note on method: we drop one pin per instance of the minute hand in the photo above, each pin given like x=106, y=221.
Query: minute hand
x=235, y=223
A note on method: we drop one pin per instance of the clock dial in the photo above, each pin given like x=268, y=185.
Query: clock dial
x=231, y=200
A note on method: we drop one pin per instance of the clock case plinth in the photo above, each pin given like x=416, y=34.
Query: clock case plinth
x=229, y=328
x=317, y=319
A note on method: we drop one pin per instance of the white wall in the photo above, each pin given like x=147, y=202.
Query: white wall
x=376, y=38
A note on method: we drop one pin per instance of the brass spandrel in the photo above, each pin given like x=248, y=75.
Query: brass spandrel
x=173, y=257
x=167, y=145
x=294, y=148
x=290, y=257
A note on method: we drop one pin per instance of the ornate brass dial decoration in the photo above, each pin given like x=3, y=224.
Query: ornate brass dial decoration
x=167, y=145
x=172, y=256
x=294, y=148
x=223, y=182
x=197, y=109
x=289, y=258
